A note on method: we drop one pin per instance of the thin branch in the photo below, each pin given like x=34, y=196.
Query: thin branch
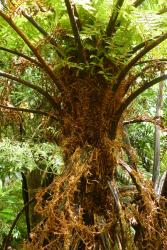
x=43, y=32
x=15, y=222
x=139, y=120
x=143, y=52
x=33, y=111
x=44, y=65
x=32, y=86
x=75, y=28
x=15, y=52
x=112, y=22
x=136, y=93
x=137, y=3
x=153, y=120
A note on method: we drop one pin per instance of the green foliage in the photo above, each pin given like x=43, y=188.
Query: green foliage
x=16, y=157
x=142, y=138
x=10, y=205
x=142, y=134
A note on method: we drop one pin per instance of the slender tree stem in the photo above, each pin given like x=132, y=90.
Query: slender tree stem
x=25, y=195
x=156, y=163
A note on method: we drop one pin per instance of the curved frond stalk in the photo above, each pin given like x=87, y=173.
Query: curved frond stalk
x=136, y=93
x=43, y=32
x=143, y=52
x=140, y=74
x=32, y=86
x=127, y=102
x=132, y=174
x=75, y=28
x=140, y=46
x=111, y=25
x=15, y=52
x=137, y=3
x=164, y=10
x=33, y=111
x=43, y=63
